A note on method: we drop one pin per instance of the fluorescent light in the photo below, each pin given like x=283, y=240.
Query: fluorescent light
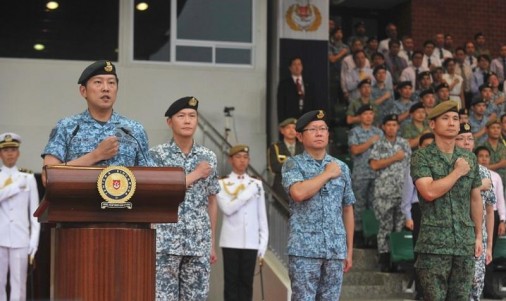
x=142, y=6
x=39, y=47
x=52, y=5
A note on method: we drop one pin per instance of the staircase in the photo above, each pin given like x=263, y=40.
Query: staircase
x=366, y=282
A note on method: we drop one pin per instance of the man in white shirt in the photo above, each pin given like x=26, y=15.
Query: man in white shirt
x=391, y=32
x=498, y=65
x=439, y=40
x=430, y=59
x=19, y=229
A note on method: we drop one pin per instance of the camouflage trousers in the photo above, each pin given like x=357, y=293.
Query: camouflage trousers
x=184, y=278
x=479, y=274
x=389, y=215
x=364, y=195
x=315, y=279
x=445, y=277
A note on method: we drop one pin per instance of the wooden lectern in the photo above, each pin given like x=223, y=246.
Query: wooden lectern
x=106, y=254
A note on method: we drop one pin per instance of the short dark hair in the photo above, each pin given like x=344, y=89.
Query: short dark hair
x=481, y=148
x=292, y=59
x=425, y=137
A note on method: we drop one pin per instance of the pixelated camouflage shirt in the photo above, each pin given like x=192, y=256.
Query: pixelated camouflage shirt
x=191, y=235
x=390, y=180
x=446, y=227
x=488, y=198
x=356, y=136
x=496, y=155
x=316, y=227
x=77, y=135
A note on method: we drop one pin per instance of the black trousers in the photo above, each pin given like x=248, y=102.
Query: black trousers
x=239, y=269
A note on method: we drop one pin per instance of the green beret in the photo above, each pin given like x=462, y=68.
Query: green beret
x=98, y=67
x=404, y=84
x=416, y=106
x=364, y=108
x=363, y=82
x=237, y=149
x=465, y=128
x=187, y=102
x=307, y=118
x=493, y=121
x=443, y=107
x=287, y=122
x=391, y=117
x=441, y=86
x=9, y=140
x=425, y=92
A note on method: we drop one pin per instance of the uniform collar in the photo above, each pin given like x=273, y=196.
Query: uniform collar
x=233, y=176
x=175, y=148
x=9, y=170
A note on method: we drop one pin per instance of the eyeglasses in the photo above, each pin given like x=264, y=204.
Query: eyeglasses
x=322, y=129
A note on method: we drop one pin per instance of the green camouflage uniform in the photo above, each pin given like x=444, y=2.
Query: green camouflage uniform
x=445, y=245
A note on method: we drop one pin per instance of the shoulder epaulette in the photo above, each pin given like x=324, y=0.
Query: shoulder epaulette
x=224, y=177
x=25, y=170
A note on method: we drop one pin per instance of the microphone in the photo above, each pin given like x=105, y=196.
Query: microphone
x=129, y=133
x=74, y=133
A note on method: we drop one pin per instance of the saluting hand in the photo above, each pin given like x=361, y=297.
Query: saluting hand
x=333, y=170
x=108, y=148
x=203, y=169
x=462, y=167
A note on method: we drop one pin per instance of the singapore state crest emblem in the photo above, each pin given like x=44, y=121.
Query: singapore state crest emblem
x=116, y=185
x=303, y=16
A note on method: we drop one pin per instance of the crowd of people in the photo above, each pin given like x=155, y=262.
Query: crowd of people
x=443, y=101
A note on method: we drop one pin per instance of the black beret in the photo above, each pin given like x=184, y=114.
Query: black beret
x=477, y=100
x=485, y=85
x=364, y=108
x=422, y=74
x=98, y=67
x=441, y=86
x=187, y=102
x=404, y=84
x=465, y=128
x=307, y=118
x=391, y=117
x=463, y=111
x=363, y=82
x=416, y=106
x=425, y=92
x=443, y=107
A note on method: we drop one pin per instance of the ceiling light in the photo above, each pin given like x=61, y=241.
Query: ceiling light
x=39, y=47
x=142, y=6
x=52, y=5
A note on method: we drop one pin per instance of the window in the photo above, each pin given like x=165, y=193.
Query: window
x=75, y=30
x=209, y=32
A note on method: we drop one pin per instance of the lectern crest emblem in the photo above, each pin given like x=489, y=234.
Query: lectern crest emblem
x=116, y=185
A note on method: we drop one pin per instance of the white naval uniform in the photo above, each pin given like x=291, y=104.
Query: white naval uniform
x=244, y=216
x=19, y=229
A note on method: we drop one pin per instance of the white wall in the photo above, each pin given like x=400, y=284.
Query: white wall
x=35, y=94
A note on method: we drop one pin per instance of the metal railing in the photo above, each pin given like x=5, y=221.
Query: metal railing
x=277, y=209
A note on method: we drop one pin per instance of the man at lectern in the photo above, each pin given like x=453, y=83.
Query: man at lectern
x=99, y=135
x=185, y=250
x=19, y=229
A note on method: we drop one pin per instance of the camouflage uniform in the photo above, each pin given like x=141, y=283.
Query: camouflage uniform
x=317, y=237
x=445, y=245
x=80, y=134
x=410, y=131
x=357, y=103
x=277, y=155
x=183, y=248
x=362, y=175
x=477, y=125
x=489, y=199
x=497, y=154
x=399, y=107
x=384, y=107
x=388, y=188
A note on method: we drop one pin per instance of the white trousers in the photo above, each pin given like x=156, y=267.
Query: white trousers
x=14, y=260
